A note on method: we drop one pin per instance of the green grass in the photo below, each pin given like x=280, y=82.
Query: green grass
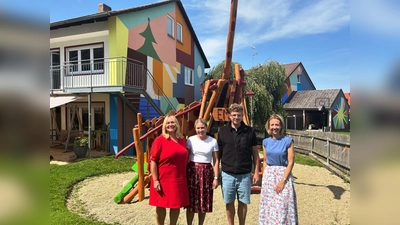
x=63, y=177
x=305, y=160
x=345, y=133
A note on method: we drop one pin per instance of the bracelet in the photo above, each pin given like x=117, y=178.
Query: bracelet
x=215, y=178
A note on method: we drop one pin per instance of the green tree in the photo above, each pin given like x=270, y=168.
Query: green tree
x=147, y=47
x=267, y=81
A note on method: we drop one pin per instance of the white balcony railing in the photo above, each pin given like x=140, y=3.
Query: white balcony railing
x=107, y=72
x=98, y=73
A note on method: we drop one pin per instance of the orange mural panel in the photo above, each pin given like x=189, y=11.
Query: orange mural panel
x=185, y=46
x=158, y=75
x=169, y=78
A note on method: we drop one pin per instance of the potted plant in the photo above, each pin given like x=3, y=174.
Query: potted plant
x=81, y=146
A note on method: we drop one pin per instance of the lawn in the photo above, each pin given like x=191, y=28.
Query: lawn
x=63, y=178
x=345, y=133
x=305, y=160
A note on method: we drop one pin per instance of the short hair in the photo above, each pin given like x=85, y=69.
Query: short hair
x=235, y=108
x=278, y=117
x=200, y=120
x=177, y=130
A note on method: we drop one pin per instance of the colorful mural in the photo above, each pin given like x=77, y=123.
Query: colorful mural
x=297, y=80
x=340, y=114
x=287, y=92
x=146, y=39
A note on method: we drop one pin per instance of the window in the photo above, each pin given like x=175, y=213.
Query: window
x=298, y=78
x=170, y=26
x=85, y=59
x=189, y=79
x=97, y=112
x=55, y=69
x=179, y=32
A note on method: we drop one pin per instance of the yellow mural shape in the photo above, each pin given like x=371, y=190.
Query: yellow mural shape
x=118, y=43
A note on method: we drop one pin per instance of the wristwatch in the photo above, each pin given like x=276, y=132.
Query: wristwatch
x=215, y=178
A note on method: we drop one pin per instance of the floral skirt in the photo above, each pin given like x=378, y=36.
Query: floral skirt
x=277, y=208
x=200, y=179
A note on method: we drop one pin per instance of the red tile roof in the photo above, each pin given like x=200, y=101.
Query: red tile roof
x=347, y=96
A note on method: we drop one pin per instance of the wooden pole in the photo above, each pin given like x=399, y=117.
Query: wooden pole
x=229, y=41
x=204, y=99
x=140, y=129
x=139, y=162
x=215, y=97
x=71, y=122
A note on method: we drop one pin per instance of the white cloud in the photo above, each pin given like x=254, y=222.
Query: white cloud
x=260, y=21
x=376, y=16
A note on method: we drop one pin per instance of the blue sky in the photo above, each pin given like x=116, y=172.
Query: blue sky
x=316, y=33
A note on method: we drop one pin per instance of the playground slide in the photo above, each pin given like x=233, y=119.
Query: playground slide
x=120, y=196
x=128, y=198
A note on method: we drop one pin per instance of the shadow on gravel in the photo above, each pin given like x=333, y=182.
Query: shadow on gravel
x=336, y=190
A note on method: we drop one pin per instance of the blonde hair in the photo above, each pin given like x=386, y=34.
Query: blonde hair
x=235, y=108
x=200, y=120
x=177, y=130
x=278, y=117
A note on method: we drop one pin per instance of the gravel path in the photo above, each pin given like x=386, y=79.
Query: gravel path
x=322, y=198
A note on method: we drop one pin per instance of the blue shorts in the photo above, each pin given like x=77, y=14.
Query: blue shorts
x=236, y=185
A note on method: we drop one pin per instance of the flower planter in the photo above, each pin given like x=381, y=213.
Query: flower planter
x=80, y=151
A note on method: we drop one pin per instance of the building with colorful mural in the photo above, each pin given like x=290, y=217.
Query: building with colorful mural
x=326, y=110
x=108, y=66
x=297, y=79
x=308, y=108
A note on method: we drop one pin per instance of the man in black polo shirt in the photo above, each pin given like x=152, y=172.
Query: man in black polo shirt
x=238, y=153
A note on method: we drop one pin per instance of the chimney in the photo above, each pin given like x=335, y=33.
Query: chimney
x=103, y=8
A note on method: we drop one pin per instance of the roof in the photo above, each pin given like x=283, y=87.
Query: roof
x=307, y=99
x=347, y=96
x=289, y=68
x=103, y=16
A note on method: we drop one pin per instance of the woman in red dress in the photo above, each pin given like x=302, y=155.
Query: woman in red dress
x=168, y=158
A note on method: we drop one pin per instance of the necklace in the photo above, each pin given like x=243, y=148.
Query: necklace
x=276, y=139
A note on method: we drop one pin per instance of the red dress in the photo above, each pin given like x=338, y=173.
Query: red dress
x=171, y=158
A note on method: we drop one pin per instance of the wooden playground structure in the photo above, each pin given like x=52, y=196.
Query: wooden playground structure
x=217, y=95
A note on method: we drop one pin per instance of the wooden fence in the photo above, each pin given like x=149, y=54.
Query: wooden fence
x=332, y=147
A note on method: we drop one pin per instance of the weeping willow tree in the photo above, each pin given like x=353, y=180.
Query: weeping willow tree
x=216, y=71
x=267, y=81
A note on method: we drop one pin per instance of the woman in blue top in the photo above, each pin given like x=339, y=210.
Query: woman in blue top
x=278, y=197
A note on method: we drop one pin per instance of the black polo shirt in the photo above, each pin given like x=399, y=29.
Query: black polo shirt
x=235, y=148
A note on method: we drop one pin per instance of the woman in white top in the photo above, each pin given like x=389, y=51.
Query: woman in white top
x=202, y=176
